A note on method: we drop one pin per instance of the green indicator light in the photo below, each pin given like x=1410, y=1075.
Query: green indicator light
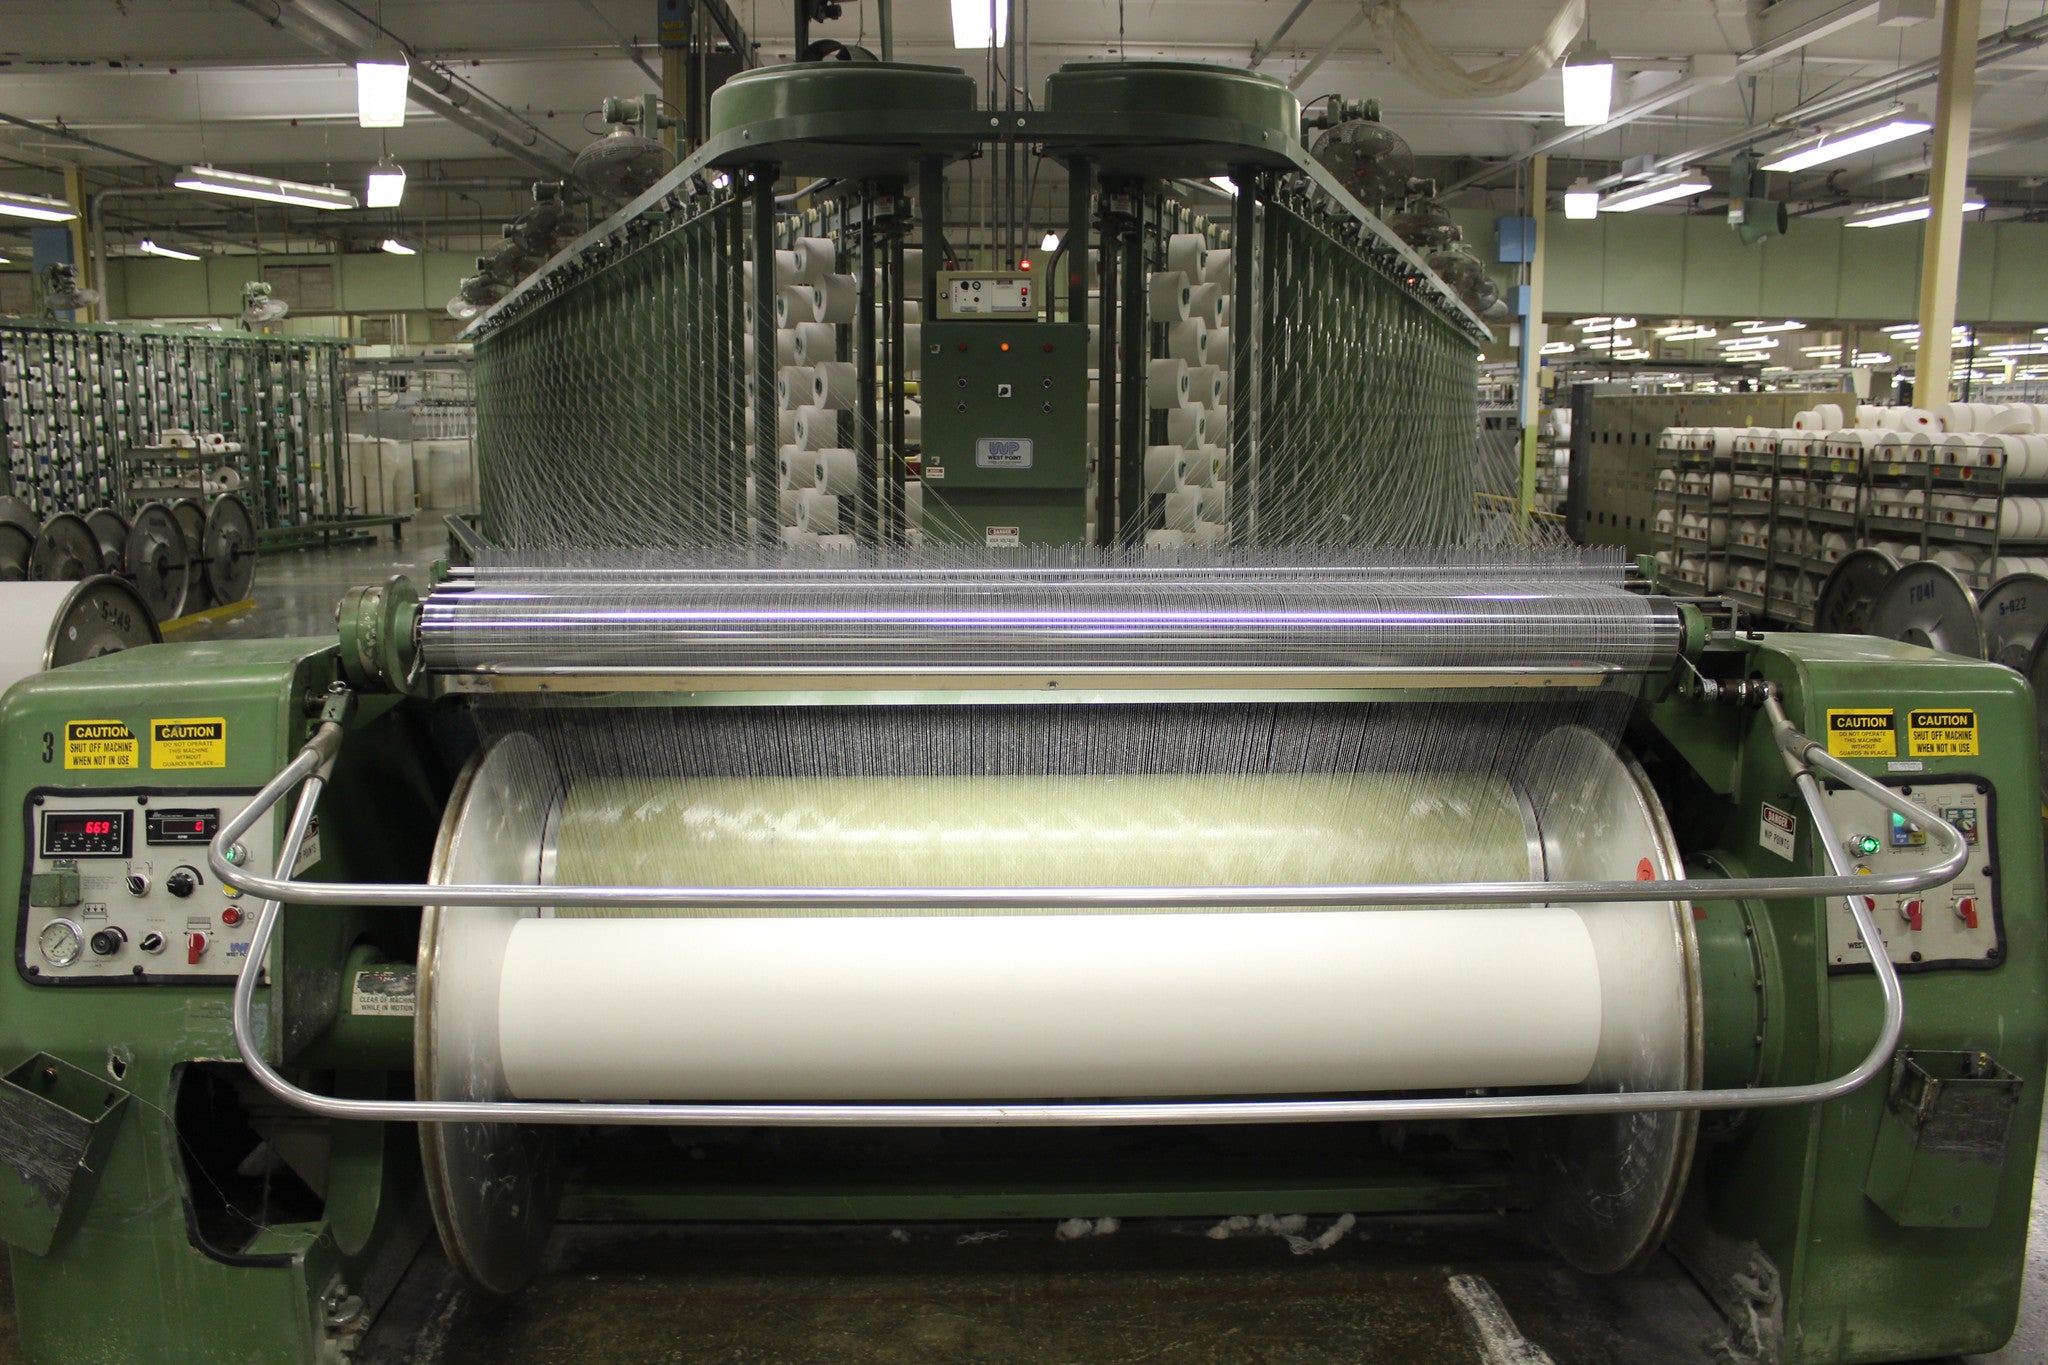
x=1866, y=844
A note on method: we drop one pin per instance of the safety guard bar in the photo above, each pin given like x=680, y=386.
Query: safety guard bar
x=1800, y=753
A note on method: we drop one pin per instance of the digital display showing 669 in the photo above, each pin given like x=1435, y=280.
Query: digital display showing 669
x=85, y=833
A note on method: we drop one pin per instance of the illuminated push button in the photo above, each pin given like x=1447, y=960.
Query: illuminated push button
x=1966, y=911
x=231, y=917
x=1914, y=913
x=1864, y=845
x=238, y=854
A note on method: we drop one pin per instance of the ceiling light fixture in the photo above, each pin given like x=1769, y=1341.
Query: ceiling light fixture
x=981, y=23
x=1224, y=183
x=1588, y=84
x=1557, y=348
x=1049, y=242
x=1898, y=124
x=1693, y=334
x=386, y=186
x=1907, y=211
x=397, y=248
x=40, y=207
x=1581, y=201
x=381, y=82
x=1607, y=324
x=1759, y=328
x=150, y=248
x=1678, y=186
x=234, y=184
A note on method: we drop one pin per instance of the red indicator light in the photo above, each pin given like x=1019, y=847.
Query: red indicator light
x=231, y=917
x=963, y=346
x=1048, y=348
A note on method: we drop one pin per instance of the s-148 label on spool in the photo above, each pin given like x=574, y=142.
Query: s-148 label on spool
x=1950, y=733
x=1863, y=733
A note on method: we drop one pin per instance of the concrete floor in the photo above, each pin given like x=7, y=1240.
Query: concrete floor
x=1151, y=1291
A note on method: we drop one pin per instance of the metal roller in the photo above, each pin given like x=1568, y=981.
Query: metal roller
x=1843, y=607
x=157, y=562
x=1926, y=604
x=17, y=543
x=626, y=622
x=53, y=624
x=112, y=529
x=228, y=549
x=190, y=515
x=66, y=551
x=2015, y=615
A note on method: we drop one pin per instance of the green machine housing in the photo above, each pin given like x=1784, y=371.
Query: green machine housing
x=1005, y=416
x=1889, y=1224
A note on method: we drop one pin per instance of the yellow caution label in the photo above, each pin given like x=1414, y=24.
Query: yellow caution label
x=1863, y=733
x=1946, y=733
x=188, y=742
x=100, y=744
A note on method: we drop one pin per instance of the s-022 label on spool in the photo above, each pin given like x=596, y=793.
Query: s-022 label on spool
x=1950, y=733
x=101, y=744
x=188, y=742
x=1857, y=732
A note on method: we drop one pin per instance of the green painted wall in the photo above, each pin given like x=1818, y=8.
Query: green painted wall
x=1695, y=266
x=367, y=282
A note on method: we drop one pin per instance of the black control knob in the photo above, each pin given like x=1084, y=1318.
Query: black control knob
x=151, y=943
x=138, y=885
x=182, y=883
x=107, y=941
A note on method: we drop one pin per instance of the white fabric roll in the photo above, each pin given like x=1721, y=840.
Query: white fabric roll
x=1216, y=502
x=1210, y=532
x=1829, y=415
x=1216, y=267
x=1183, y=509
x=1198, y=470
x=1166, y=383
x=1205, y=301
x=794, y=305
x=785, y=347
x=799, y=467
x=1166, y=296
x=1205, y=384
x=838, y=470
x=815, y=343
x=1021, y=1006
x=820, y=512
x=913, y=503
x=795, y=386
x=1165, y=467
x=817, y=428
x=1188, y=426
x=1188, y=341
x=835, y=298
x=1184, y=253
x=789, y=506
x=1805, y=420
x=815, y=258
x=785, y=271
x=835, y=384
x=795, y=535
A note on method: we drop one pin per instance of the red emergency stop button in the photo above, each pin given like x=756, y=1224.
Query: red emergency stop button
x=195, y=947
x=1914, y=913
x=231, y=917
x=1966, y=911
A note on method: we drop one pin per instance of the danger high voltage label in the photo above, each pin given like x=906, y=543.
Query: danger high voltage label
x=100, y=744
x=1948, y=733
x=1863, y=733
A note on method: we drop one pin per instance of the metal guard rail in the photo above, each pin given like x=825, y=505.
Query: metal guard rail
x=1800, y=753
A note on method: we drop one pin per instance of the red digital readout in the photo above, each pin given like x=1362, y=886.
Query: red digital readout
x=99, y=827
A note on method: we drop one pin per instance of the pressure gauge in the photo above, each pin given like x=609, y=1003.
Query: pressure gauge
x=61, y=941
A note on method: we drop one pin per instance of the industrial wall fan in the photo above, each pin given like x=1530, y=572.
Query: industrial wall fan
x=57, y=284
x=260, y=308
x=1368, y=158
x=629, y=157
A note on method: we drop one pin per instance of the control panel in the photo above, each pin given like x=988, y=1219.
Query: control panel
x=1005, y=431
x=117, y=890
x=1956, y=925
x=1007, y=294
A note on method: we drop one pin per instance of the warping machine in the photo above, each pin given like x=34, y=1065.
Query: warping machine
x=657, y=866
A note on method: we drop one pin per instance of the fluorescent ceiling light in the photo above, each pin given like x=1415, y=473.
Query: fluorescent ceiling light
x=1907, y=211
x=1693, y=334
x=1557, y=348
x=1759, y=328
x=1901, y=123
x=1049, y=242
x=981, y=23
x=1679, y=186
x=1820, y=350
x=386, y=186
x=1224, y=183
x=1581, y=201
x=1590, y=322
x=1630, y=355
x=1607, y=324
x=1588, y=85
x=398, y=248
x=149, y=248
x=1873, y=358
x=380, y=92
x=5, y=261
x=40, y=207
x=1748, y=343
x=236, y=185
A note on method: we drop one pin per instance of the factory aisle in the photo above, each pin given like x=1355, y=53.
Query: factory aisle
x=1021, y=1293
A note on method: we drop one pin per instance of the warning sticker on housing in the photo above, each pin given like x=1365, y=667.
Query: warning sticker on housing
x=1941, y=734
x=384, y=990
x=100, y=744
x=188, y=742
x=1863, y=734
